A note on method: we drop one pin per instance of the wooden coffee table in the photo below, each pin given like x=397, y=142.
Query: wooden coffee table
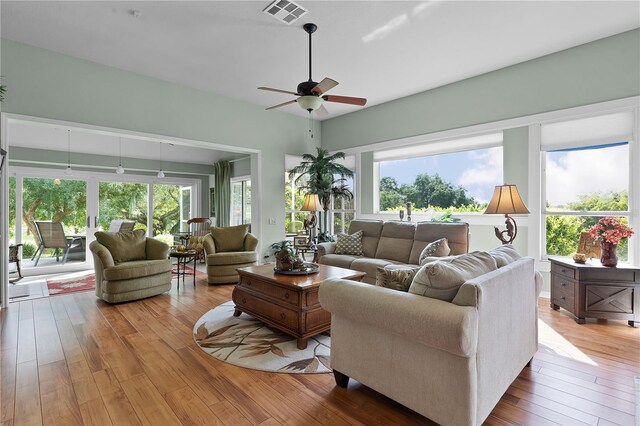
x=287, y=302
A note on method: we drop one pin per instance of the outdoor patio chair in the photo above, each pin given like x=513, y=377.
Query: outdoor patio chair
x=120, y=225
x=14, y=257
x=52, y=236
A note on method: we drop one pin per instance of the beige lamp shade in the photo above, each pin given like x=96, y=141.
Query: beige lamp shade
x=311, y=203
x=506, y=200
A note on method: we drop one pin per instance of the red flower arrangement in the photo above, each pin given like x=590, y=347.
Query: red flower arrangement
x=610, y=230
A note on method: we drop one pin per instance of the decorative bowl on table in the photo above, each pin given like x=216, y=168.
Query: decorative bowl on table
x=306, y=269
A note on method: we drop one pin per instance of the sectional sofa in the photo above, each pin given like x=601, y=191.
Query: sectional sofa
x=393, y=243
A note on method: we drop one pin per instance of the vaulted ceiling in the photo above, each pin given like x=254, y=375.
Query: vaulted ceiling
x=381, y=50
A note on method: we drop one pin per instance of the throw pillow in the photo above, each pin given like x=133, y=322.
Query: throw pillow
x=124, y=246
x=349, y=244
x=505, y=254
x=230, y=238
x=399, y=278
x=438, y=248
x=442, y=279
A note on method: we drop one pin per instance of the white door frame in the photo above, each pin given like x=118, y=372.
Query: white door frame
x=8, y=118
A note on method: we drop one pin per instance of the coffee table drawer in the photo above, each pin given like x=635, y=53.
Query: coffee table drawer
x=270, y=289
x=279, y=314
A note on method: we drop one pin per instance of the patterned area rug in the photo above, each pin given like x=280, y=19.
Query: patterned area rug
x=70, y=283
x=249, y=343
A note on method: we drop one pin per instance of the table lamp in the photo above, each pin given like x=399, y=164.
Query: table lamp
x=311, y=204
x=506, y=200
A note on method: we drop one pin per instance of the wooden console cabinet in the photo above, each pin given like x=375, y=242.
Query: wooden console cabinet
x=594, y=291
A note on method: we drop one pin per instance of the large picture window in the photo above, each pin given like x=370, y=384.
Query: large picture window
x=460, y=177
x=586, y=177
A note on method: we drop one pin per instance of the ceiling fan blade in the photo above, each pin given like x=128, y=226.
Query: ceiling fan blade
x=324, y=86
x=345, y=100
x=322, y=111
x=282, y=104
x=278, y=90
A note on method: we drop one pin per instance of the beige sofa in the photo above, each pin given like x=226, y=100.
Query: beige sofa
x=449, y=361
x=129, y=266
x=393, y=243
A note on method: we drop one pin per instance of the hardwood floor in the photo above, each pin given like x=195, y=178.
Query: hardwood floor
x=73, y=359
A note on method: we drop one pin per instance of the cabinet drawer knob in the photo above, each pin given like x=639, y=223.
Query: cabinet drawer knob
x=286, y=295
x=563, y=298
x=244, y=300
x=563, y=284
x=249, y=282
x=563, y=270
x=282, y=315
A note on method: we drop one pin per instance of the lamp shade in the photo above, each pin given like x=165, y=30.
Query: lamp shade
x=506, y=200
x=310, y=102
x=311, y=203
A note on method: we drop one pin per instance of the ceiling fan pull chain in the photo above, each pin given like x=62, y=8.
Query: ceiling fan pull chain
x=310, y=125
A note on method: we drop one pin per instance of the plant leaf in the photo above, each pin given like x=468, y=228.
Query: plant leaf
x=300, y=365
x=277, y=351
x=214, y=345
x=325, y=360
x=201, y=332
x=220, y=330
x=255, y=353
x=313, y=366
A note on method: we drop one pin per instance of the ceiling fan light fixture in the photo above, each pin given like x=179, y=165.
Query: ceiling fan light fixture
x=310, y=102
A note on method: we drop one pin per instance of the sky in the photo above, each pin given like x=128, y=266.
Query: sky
x=479, y=171
x=585, y=172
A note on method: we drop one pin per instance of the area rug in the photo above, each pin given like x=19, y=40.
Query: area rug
x=247, y=342
x=70, y=283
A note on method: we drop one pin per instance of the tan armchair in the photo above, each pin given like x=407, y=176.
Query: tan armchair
x=227, y=249
x=129, y=266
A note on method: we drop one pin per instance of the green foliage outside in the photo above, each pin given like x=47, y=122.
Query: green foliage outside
x=563, y=232
x=426, y=193
x=64, y=200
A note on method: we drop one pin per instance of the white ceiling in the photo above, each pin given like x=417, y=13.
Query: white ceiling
x=25, y=135
x=382, y=50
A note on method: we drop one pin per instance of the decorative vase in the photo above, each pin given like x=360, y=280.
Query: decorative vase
x=609, y=256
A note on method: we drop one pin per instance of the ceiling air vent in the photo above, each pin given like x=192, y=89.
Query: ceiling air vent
x=285, y=11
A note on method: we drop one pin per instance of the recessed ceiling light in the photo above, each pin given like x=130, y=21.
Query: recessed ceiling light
x=285, y=11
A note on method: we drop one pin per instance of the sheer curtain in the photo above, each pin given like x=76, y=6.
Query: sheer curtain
x=222, y=193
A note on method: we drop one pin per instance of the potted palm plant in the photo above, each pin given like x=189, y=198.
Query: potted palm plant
x=321, y=174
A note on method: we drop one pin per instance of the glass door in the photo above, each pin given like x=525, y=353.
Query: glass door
x=119, y=201
x=54, y=222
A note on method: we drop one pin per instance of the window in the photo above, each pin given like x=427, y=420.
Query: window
x=458, y=175
x=344, y=209
x=240, y=201
x=294, y=218
x=340, y=213
x=586, y=177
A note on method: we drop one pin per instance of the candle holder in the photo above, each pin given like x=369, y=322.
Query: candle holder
x=409, y=211
x=401, y=215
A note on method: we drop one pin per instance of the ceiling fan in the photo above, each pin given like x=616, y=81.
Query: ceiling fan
x=311, y=95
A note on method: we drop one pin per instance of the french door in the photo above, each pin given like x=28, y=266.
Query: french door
x=54, y=216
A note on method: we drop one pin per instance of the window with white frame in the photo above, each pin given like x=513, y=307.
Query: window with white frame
x=586, y=176
x=457, y=175
x=341, y=211
x=240, y=201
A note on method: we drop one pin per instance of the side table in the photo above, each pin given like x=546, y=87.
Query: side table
x=594, y=291
x=184, y=258
x=302, y=250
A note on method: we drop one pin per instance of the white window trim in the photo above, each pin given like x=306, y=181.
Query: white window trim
x=537, y=185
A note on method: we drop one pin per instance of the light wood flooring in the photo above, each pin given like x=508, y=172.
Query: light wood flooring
x=73, y=359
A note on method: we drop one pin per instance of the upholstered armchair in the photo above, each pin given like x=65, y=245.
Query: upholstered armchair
x=129, y=266
x=227, y=249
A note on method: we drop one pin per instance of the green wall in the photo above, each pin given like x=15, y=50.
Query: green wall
x=45, y=84
x=603, y=70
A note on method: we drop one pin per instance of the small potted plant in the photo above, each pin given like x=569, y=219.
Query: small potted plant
x=610, y=232
x=284, y=255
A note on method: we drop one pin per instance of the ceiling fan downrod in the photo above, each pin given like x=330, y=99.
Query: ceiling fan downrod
x=310, y=29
